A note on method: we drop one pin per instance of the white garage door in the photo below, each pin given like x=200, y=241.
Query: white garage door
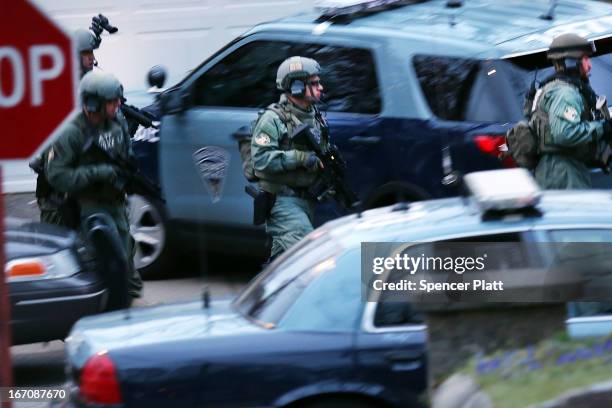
x=175, y=34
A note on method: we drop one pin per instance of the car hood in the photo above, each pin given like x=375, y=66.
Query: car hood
x=153, y=326
x=28, y=239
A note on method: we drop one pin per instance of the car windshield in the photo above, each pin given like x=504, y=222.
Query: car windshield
x=268, y=297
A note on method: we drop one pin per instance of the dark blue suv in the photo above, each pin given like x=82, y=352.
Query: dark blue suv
x=416, y=95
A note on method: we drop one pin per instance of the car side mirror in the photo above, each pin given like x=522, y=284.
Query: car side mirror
x=156, y=76
x=175, y=100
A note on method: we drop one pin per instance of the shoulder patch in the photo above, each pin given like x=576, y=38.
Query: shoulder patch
x=262, y=139
x=570, y=114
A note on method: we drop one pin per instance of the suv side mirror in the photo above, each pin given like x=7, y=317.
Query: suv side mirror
x=156, y=76
x=175, y=100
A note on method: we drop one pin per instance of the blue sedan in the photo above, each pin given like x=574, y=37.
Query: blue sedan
x=300, y=334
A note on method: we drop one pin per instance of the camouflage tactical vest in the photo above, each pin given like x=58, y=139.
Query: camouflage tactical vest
x=273, y=182
x=539, y=122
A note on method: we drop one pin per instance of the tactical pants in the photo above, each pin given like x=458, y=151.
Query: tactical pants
x=290, y=220
x=51, y=217
x=118, y=214
x=50, y=212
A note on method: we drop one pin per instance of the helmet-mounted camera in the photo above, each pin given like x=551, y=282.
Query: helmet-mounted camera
x=99, y=24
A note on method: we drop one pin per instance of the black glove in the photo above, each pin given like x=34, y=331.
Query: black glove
x=110, y=174
x=313, y=163
x=104, y=172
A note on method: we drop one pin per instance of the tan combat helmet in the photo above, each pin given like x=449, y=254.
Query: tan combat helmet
x=295, y=68
x=570, y=46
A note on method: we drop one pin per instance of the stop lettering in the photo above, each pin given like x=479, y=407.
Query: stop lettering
x=37, y=79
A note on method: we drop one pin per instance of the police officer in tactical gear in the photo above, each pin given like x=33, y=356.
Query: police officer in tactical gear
x=85, y=45
x=570, y=135
x=74, y=165
x=285, y=169
x=53, y=204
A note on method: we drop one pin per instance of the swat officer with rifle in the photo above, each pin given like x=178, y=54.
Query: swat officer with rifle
x=85, y=176
x=291, y=157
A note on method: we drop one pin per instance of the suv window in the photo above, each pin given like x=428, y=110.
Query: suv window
x=490, y=90
x=470, y=89
x=246, y=78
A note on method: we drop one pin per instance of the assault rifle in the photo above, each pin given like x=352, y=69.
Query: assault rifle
x=135, y=181
x=136, y=115
x=332, y=175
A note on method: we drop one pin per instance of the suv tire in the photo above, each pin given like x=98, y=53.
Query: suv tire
x=148, y=226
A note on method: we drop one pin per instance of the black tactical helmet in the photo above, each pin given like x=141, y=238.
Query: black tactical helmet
x=570, y=46
x=85, y=40
x=97, y=87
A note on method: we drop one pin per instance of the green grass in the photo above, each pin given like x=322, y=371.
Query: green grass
x=526, y=378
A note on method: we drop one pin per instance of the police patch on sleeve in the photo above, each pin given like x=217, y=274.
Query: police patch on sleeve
x=262, y=139
x=570, y=114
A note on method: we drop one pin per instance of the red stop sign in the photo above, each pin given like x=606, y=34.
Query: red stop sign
x=37, y=79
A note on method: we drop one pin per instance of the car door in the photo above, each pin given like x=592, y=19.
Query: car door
x=200, y=168
x=390, y=350
x=391, y=345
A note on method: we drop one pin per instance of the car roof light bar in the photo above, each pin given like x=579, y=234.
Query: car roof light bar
x=503, y=190
x=331, y=9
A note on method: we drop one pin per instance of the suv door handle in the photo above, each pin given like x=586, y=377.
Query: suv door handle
x=403, y=356
x=365, y=140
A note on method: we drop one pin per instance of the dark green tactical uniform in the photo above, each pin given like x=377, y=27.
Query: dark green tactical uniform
x=74, y=167
x=51, y=202
x=570, y=138
x=283, y=167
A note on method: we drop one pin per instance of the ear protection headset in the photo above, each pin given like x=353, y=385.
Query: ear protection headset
x=573, y=64
x=297, y=88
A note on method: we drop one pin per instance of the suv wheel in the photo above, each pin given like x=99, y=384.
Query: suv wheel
x=148, y=228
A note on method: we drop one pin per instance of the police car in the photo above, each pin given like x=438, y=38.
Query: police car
x=53, y=280
x=300, y=334
x=417, y=93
